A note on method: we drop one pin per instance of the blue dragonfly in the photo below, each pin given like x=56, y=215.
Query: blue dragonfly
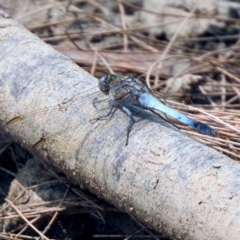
x=123, y=92
x=127, y=90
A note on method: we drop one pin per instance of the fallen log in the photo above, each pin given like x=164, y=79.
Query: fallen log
x=163, y=178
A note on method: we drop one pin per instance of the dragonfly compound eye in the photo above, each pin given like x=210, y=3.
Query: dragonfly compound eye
x=105, y=82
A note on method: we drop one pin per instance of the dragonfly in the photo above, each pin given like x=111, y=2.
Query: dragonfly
x=127, y=90
x=123, y=92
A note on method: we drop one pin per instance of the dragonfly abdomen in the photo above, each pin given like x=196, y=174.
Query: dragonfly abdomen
x=203, y=128
x=149, y=101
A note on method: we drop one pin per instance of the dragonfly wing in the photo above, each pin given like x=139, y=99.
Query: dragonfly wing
x=59, y=124
x=149, y=101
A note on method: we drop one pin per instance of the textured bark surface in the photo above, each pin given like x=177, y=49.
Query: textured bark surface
x=163, y=177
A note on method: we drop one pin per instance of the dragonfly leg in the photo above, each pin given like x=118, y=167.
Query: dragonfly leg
x=113, y=106
x=108, y=115
x=97, y=101
x=131, y=121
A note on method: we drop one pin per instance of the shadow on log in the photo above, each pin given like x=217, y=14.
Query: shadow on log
x=163, y=177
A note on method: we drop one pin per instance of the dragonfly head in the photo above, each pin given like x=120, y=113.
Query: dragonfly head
x=105, y=81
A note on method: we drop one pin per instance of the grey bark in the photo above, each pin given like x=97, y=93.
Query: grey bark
x=163, y=177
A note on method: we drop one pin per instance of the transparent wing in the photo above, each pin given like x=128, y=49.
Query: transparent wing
x=97, y=105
